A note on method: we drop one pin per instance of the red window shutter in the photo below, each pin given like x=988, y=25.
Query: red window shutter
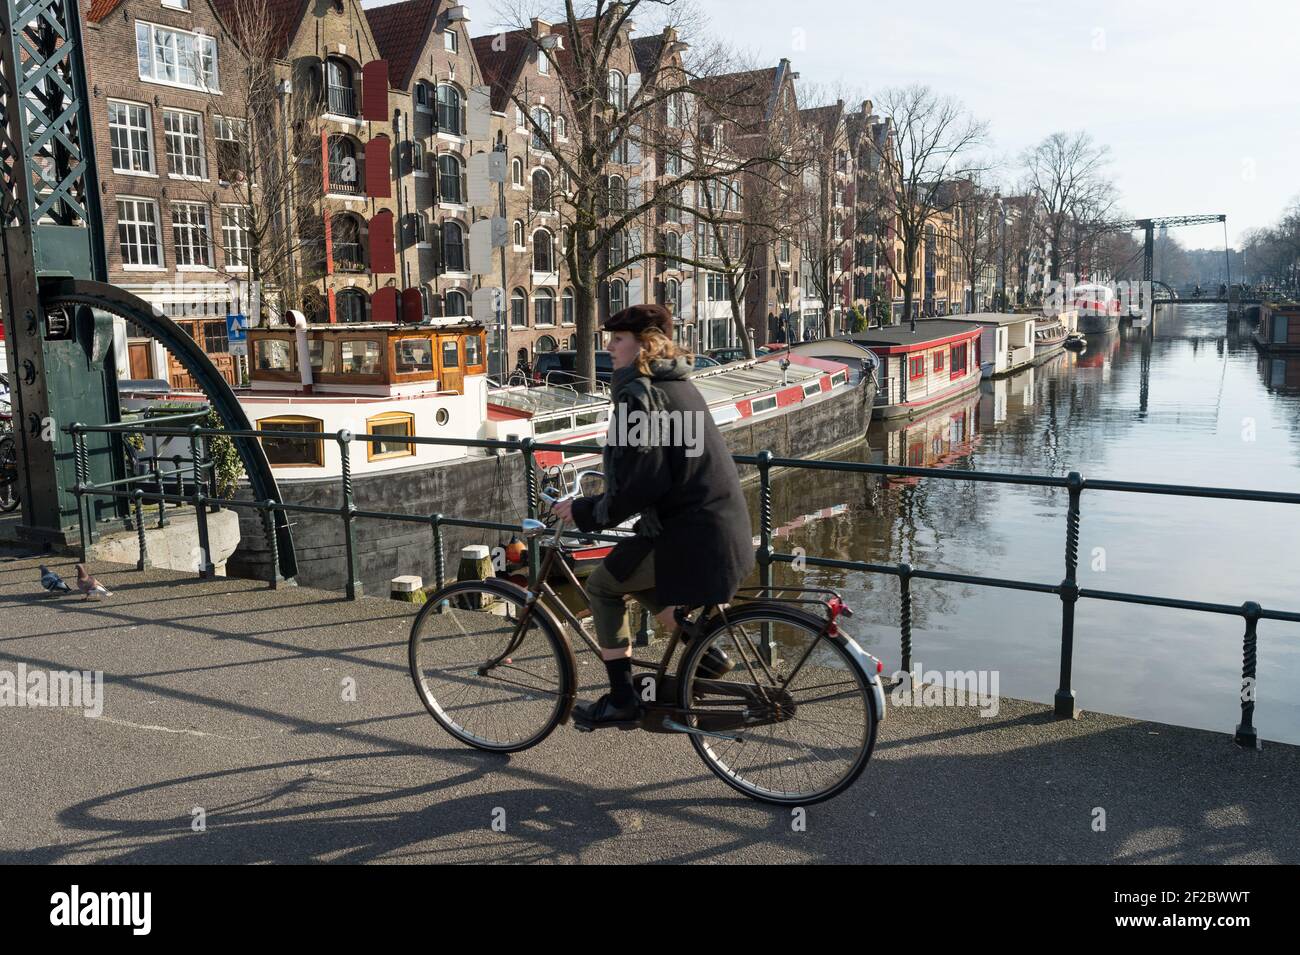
x=329, y=254
x=329, y=298
x=325, y=161
x=382, y=257
x=383, y=305
x=412, y=306
x=374, y=91
x=379, y=183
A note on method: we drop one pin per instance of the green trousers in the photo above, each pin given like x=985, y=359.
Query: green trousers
x=607, y=601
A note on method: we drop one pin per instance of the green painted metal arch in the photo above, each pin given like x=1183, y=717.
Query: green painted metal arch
x=192, y=358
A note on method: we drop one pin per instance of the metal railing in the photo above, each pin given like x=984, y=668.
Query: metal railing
x=1067, y=590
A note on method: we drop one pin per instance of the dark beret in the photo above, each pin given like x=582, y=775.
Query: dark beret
x=640, y=317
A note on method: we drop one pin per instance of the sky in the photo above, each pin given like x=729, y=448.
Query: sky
x=1198, y=100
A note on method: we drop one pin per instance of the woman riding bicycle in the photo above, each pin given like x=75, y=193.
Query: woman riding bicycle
x=665, y=460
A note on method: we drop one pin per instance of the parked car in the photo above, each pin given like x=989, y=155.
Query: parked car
x=560, y=367
x=734, y=353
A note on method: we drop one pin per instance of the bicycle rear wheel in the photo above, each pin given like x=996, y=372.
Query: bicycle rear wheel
x=493, y=673
x=802, y=726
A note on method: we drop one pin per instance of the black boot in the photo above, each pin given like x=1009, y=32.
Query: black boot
x=618, y=707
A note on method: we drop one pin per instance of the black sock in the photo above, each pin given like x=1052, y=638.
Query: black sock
x=620, y=681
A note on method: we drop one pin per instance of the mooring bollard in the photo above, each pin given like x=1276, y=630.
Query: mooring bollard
x=475, y=564
x=408, y=588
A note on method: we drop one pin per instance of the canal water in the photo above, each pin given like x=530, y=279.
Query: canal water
x=1187, y=400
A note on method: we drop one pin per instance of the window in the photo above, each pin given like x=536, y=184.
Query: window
x=422, y=96
x=566, y=307
x=937, y=360
x=449, y=112
x=323, y=354
x=216, y=339
x=131, y=135
x=673, y=163
x=518, y=309
x=341, y=98
x=345, y=240
x=717, y=287
x=541, y=128
x=392, y=425
x=617, y=92
x=543, y=64
x=417, y=158
x=519, y=234
x=617, y=248
x=561, y=128
x=231, y=136
x=292, y=452
x=185, y=144
x=619, y=155
x=673, y=211
x=165, y=55
x=359, y=356
x=343, y=174
x=234, y=235
x=450, y=353
x=137, y=233
x=543, y=251
x=450, y=41
x=177, y=4
x=455, y=304
x=190, y=235
x=673, y=296
x=676, y=114
x=542, y=190
x=449, y=179
x=544, y=307
x=453, y=247
x=472, y=351
x=672, y=247
x=350, y=306
x=412, y=355
x=275, y=354
x=517, y=172
x=916, y=367
x=958, y=364
x=617, y=194
x=617, y=296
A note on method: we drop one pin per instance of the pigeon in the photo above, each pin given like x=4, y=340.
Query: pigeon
x=53, y=582
x=89, y=585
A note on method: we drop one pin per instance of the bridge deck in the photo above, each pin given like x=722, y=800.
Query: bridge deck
x=224, y=695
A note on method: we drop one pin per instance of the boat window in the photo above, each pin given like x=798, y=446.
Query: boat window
x=590, y=417
x=563, y=422
x=392, y=424
x=812, y=389
x=958, y=359
x=292, y=452
x=839, y=378
x=472, y=350
x=324, y=356
x=759, y=405
x=359, y=356
x=413, y=354
x=274, y=354
x=450, y=354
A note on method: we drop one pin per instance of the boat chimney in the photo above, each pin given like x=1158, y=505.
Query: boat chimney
x=299, y=322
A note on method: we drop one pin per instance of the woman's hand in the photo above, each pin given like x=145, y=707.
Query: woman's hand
x=563, y=510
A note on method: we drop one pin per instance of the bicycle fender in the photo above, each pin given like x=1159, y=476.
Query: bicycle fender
x=870, y=666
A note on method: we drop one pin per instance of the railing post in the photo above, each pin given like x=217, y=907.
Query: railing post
x=439, y=559
x=353, y=587
x=143, y=561
x=1246, y=734
x=273, y=541
x=200, y=507
x=1066, y=707
x=530, y=484
x=764, y=555
x=905, y=619
x=79, y=470
x=162, y=504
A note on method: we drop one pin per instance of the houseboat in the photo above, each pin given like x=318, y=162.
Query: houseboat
x=1007, y=343
x=936, y=438
x=1279, y=329
x=916, y=366
x=403, y=380
x=1098, y=308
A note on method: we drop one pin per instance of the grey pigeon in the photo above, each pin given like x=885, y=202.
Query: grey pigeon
x=53, y=582
x=88, y=585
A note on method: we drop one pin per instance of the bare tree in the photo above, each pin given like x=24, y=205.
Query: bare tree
x=1067, y=174
x=930, y=142
x=268, y=155
x=980, y=217
x=606, y=120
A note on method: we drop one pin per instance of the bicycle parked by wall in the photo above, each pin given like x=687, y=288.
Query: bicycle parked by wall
x=8, y=452
x=792, y=723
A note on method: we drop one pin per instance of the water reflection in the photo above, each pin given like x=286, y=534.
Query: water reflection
x=1184, y=400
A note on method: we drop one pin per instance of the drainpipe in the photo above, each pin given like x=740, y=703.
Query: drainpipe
x=299, y=322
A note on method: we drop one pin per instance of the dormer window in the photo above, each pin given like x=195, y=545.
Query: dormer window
x=450, y=40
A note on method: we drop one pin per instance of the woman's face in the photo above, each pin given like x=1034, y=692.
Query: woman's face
x=623, y=349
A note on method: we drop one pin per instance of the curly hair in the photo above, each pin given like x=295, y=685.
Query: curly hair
x=655, y=344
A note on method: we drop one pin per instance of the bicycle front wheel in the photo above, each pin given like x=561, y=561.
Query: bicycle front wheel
x=793, y=730
x=493, y=672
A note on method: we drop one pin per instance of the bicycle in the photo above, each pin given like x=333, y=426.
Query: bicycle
x=9, y=499
x=494, y=666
